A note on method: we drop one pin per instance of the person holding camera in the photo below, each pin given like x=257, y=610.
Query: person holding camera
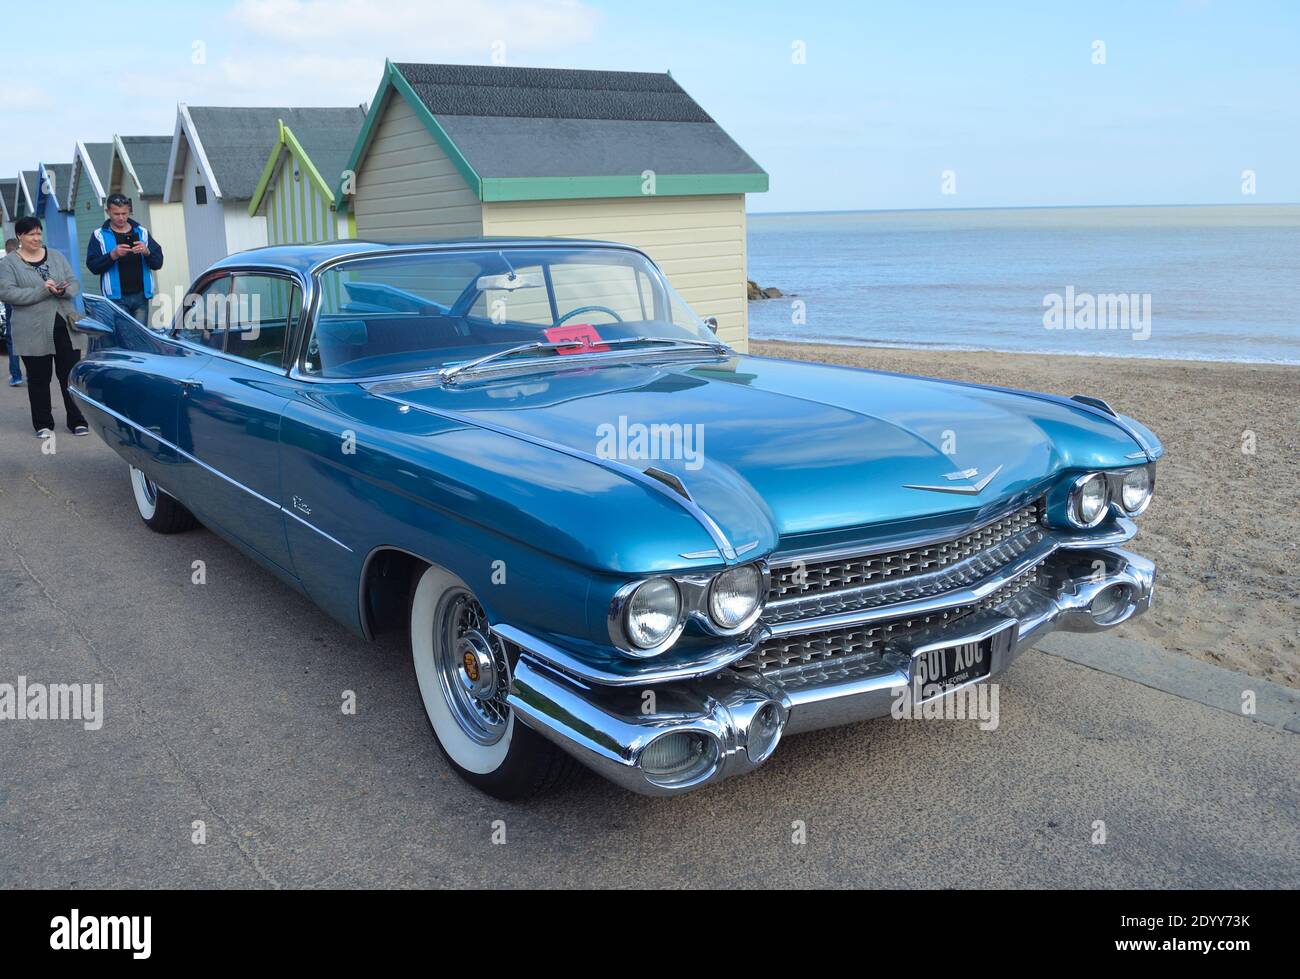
x=38, y=284
x=124, y=256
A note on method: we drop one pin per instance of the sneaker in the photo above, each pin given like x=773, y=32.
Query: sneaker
x=15, y=382
x=44, y=433
x=80, y=430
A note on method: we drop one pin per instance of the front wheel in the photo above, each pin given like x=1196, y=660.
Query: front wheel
x=161, y=513
x=463, y=671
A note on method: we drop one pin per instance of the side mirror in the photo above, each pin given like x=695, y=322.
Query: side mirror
x=712, y=323
x=93, y=327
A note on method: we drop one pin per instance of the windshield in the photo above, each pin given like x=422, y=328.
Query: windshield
x=397, y=314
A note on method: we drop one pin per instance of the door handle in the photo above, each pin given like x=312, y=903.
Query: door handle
x=189, y=384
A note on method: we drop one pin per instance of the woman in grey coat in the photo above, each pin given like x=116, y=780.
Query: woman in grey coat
x=38, y=285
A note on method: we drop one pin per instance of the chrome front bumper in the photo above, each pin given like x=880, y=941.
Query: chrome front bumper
x=608, y=727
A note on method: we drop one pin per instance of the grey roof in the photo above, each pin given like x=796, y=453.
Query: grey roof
x=9, y=193
x=62, y=173
x=101, y=157
x=31, y=180
x=237, y=141
x=552, y=122
x=149, y=156
x=330, y=147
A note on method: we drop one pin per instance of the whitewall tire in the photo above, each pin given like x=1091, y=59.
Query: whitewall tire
x=160, y=512
x=462, y=670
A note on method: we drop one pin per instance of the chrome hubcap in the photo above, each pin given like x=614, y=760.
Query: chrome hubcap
x=472, y=667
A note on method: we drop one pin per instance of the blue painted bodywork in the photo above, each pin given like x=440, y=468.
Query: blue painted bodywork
x=501, y=475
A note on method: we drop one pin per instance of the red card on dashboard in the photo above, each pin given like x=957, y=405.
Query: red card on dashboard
x=584, y=333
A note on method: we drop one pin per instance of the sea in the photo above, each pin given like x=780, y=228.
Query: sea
x=1192, y=283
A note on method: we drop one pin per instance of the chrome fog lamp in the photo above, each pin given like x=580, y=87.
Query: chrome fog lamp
x=1136, y=491
x=736, y=597
x=764, y=733
x=678, y=757
x=653, y=615
x=1110, y=604
x=1088, y=500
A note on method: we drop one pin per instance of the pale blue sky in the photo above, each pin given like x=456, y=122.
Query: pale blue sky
x=1005, y=95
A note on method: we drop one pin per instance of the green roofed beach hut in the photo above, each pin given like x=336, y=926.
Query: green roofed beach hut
x=456, y=150
x=296, y=192
x=139, y=170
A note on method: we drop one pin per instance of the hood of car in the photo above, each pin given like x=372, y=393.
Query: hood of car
x=778, y=452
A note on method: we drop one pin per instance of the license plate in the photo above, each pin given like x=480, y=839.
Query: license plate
x=937, y=671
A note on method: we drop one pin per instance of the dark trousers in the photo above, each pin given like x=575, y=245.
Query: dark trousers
x=38, y=380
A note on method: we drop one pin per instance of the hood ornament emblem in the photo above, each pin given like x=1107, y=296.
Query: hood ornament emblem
x=970, y=489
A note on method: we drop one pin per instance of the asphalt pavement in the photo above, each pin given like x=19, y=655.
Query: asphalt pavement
x=224, y=757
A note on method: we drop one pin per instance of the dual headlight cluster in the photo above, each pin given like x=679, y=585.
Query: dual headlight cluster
x=1093, y=493
x=646, y=617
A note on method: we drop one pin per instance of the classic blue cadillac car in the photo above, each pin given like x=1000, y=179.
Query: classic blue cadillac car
x=610, y=537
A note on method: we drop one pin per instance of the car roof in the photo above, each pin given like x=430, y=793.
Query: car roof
x=306, y=258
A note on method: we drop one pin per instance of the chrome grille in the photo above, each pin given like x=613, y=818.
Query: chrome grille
x=796, y=579
x=814, y=657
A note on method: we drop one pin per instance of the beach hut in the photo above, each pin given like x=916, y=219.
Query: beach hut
x=87, y=192
x=54, y=209
x=217, y=156
x=453, y=150
x=138, y=169
x=8, y=201
x=296, y=192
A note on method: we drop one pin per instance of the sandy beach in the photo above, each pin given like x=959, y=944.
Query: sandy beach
x=1224, y=527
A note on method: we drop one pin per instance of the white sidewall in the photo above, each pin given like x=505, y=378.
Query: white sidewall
x=147, y=509
x=464, y=750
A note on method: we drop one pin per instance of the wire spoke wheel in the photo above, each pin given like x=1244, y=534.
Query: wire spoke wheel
x=472, y=666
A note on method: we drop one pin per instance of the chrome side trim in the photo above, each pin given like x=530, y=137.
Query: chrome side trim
x=199, y=462
x=631, y=472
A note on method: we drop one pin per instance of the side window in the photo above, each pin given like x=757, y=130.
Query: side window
x=263, y=309
x=203, y=317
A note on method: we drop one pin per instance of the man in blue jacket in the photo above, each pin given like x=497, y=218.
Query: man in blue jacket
x=124, y=256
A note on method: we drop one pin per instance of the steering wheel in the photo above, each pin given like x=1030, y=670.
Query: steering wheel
x=589, y=309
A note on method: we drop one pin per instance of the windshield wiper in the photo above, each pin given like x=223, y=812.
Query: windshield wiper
x=448, y=373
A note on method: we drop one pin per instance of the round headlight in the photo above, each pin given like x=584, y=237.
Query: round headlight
x=1088, y=501
x=735, y=596
x=1136, y=491
x=653, y=612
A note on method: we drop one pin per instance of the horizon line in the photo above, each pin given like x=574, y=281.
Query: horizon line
x=1015, y=207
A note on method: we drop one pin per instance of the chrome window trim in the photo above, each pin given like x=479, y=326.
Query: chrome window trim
x=199, y=462
x=273, y=271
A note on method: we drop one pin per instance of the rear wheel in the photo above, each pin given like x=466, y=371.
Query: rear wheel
x=463, y=672
x=160, y=512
